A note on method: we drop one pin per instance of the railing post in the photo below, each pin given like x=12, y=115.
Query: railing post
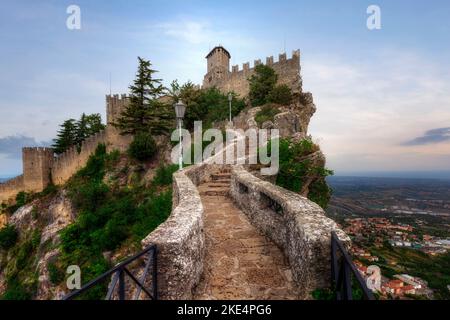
x=334, y=262
x=121, y=285
x=347, y=285
x=155, y=273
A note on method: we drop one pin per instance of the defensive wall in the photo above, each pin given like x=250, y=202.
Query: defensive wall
x=41, y=166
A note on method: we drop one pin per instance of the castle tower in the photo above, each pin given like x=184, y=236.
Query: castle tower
x=218, y=67
x=37, y=165
x=115, y=105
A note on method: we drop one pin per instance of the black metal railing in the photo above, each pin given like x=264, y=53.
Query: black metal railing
x=119, y=272
x=342, y=269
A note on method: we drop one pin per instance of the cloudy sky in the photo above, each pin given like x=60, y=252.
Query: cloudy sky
x=382, y=96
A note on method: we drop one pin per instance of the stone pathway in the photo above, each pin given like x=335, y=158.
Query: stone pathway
x=240, y=262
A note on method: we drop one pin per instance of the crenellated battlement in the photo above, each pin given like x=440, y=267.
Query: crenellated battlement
x=9, y=189
x=287, y=69
x=282, y=58
x=37, y=150
x=115, y=104
x=69, y=162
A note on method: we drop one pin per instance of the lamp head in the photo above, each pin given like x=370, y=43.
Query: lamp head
x=180, y=109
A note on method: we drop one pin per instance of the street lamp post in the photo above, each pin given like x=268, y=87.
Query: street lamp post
x=230, y=98
x=180, y=109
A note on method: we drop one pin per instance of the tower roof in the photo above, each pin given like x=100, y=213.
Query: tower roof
x=216, y=48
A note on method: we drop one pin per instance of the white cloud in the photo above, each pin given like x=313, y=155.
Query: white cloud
x=194, y=32
x=367, y=110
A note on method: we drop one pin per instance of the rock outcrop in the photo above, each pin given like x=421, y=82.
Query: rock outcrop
x=46, y=216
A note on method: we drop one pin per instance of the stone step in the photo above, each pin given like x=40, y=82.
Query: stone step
x=218, y=185
x=219, y=176
x=216, y=192
x=222, y=181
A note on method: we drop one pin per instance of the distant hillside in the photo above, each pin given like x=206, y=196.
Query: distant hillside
x=431, y=174
x=407, y=200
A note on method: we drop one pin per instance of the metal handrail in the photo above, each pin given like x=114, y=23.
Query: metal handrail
x=341, y=272
x=119, y=272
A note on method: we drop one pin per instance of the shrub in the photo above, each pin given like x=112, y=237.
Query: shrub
x=89, y=196
x=266, y=113
x=8, y=237
x=320, y=193
x=143, y=147
x=16, y=291
x=151, y=214
x=95, y=166
x=50, y=189
x=56, y=275
x=24, y=254
x=211, y=105
x=280, y=94
x=261, y=84
x=22, y=199
x=294, y=171
x=35, y=213
x=163, y=176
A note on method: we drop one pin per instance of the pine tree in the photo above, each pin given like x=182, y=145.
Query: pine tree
x=73, y=132
x=66, y=136
x=145, y=113
x=262, y=82
x=88, y=125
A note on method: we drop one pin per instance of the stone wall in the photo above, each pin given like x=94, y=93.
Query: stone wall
x=294, y=223
x=114, y=106
x=11, y=188
x=288, y=71
x=180, y=240
x=40, y=166
x=37, y=164
x=69, y=162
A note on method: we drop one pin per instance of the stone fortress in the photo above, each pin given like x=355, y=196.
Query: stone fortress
x=219, y=74
x=41, y=166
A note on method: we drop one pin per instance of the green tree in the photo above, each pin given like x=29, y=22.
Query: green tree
x=145, y=112
x=174, y=91
x=280, y=94
x=88, y=125
x=66, y=136
x=143, y=146
x=262, y=82
x=73, y=132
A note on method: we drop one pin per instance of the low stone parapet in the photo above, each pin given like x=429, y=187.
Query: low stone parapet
x=297, y=225
x=180, y=240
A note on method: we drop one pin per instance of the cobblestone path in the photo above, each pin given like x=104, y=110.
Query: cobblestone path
x=240, y=262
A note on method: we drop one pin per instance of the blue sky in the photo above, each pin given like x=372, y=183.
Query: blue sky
x=382, y=96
